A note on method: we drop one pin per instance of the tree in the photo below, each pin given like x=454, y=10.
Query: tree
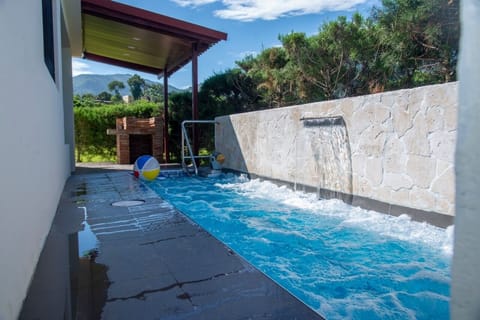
x=180, y=106
x=137, y=84
x=403, y=44
x=421, y=38
x=269, y=70
x=153, y=92
x=231, y=91
x=84, y=101
x=116, y=86
x=341, y=60
x=104, y=96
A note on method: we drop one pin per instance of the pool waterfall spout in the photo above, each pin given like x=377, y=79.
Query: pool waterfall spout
x=326, y=140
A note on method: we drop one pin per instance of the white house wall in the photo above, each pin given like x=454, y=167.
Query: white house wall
x=465, y=303
x=34, y=158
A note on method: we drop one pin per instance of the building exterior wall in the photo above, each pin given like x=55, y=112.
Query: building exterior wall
x=400, y=146
x=466, y=260
x=35, y=157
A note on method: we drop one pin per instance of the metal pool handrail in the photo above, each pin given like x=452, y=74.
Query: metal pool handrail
x=186, y=140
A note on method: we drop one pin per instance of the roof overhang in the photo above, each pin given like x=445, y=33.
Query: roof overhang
x=73, y=23
x=134, y=38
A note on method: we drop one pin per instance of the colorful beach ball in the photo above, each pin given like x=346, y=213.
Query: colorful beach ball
x=146, y=168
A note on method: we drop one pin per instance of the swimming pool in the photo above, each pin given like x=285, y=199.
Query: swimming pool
x=342, y=261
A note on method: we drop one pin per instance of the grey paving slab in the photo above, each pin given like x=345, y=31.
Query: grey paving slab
x=128, y=289
x=151, y=305
x=158, y=264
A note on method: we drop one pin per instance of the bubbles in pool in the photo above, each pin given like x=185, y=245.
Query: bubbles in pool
x=344, y=262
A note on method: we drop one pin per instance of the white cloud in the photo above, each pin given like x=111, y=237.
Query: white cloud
x=193, y=3
x=80, y=67
x=249, y=10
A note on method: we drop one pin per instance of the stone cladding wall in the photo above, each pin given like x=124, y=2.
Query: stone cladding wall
x=401, y=145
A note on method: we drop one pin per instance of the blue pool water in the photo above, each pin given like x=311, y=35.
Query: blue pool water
x=342, y=261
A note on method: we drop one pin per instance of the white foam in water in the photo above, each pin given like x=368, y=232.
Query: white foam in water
x=401, y=227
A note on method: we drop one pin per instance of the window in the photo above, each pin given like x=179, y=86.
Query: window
x=48, y=44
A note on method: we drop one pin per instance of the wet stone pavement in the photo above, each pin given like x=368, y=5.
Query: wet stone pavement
x=152, y=262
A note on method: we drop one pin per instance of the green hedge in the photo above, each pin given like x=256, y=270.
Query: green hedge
x=92, y=121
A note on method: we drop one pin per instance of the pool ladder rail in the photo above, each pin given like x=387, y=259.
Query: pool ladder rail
x=186, y=143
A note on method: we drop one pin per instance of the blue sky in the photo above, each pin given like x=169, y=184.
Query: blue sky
x=251, y=25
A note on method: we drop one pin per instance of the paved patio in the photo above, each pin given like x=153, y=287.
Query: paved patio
x=152, y=262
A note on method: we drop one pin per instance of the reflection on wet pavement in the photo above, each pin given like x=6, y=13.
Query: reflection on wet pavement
x=91, y=288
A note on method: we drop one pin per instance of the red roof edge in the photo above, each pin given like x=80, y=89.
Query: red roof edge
x=134, y=66
x=120, y=63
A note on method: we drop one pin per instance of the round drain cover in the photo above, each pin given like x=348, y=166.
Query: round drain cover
x=128, y=203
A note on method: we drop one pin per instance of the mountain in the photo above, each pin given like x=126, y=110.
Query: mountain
x=96, y=83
